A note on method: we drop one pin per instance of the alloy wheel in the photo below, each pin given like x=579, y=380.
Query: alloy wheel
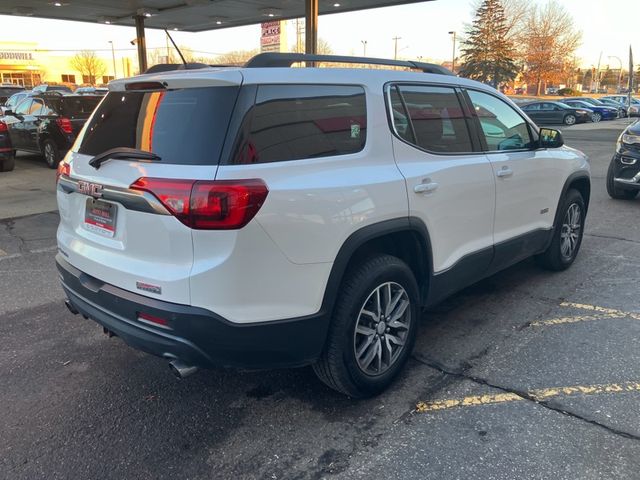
x=49, y=154
x=382, y=328
x=570, y=120
x=570, y=233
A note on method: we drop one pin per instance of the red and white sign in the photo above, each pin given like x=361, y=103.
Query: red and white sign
x=270, y=39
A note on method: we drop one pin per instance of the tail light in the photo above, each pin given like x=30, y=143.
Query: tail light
x=64, y=170
x=65, y=124
x=208, y=205
x=3, y=127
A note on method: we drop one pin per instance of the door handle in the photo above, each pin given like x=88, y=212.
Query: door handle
x=425, y=187
x=504, y=172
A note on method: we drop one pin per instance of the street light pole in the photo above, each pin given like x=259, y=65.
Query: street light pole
x=453, y=56
x=113, y=57
x=364, y=47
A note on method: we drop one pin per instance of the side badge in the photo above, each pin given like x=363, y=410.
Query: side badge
x=147, y=287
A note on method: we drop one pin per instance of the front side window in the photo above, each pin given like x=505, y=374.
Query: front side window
x=297, y=122
x=502, y=126
x=430, y=118
x=23, y=107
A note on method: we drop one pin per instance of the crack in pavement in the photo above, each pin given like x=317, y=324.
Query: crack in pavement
x=463, y=374
x=612, y=237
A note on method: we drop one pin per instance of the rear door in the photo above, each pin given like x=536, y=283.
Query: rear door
x=30, y=124
x=123, y=234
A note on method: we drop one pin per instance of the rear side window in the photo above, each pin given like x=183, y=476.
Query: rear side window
x=297, y=122
x=437, y=121
x=184, y=126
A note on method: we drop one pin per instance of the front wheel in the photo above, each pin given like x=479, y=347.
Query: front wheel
x=373, y=328
x=569, y=119
x=596, y=117
x=567, y=235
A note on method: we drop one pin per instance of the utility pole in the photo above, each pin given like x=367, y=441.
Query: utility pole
x=395, y=48
x=364, y=47
x=598, y=73
x=113, y=57
x=453, y=56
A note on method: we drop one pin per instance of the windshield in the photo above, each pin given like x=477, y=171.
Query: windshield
x=184, y=126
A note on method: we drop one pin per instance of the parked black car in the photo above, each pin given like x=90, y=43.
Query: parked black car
x=7, y=155
x=7, y=90
x=48, y=123
x=556, y=113
x=623, y=176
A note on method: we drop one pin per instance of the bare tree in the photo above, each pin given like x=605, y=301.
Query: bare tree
x=89, y=65
x=323, y=48
x=549, y=44
x=236, y=57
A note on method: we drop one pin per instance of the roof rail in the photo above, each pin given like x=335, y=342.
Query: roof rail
x=273, y=59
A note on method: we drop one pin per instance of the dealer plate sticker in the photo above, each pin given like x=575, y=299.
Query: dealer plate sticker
x=100, y=217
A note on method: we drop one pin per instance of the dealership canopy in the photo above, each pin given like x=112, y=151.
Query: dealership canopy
x=190, y=15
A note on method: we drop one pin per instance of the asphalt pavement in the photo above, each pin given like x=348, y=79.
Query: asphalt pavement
x=527, y=374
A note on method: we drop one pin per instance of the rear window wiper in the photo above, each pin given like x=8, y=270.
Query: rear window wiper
x=123, y=153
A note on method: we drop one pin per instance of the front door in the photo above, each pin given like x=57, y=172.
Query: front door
x=528, y=180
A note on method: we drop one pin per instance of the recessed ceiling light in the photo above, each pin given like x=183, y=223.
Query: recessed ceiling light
x=336, y=5
x=271, y=12
x=59, y=4
x=107, y=20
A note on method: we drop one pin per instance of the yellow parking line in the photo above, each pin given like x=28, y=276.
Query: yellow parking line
x=537, y=394
x=594, y=308
x=575, y=319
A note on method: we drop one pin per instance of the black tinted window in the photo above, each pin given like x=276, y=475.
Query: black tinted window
x=76, y=107
x=185, y=126
x=437, y=119
x=296, y=122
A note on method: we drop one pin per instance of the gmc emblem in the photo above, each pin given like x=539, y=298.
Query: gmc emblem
x=92, y=189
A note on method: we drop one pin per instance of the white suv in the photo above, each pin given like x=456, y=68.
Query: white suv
x=267, y=217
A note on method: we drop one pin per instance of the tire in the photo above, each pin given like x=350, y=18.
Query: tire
x=51, y=153
x=596, y=117
x=556, y=257
x=8, y=164
x=569, y=119
x=614, y=191
x=378, y=363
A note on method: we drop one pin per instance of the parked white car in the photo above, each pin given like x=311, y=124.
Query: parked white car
x=269, y=216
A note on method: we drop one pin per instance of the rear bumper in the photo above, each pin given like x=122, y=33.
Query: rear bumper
x=196, y=336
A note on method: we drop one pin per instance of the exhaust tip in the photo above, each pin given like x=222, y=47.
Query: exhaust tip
x=182, y=370
x=70, y=307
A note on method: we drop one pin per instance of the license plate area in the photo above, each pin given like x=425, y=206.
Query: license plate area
x=100, y=217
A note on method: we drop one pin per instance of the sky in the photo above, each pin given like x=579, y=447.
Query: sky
x=608, y=27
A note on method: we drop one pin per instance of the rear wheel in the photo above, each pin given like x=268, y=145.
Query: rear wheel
x=373, y=328
x=567, y=236
x=569, y=119
x=615, y=191
x=51, y=153
x=8, y=163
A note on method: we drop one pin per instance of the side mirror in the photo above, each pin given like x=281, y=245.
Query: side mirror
x=550, y=138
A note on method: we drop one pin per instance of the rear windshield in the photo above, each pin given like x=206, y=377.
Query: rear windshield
x=184, y=126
